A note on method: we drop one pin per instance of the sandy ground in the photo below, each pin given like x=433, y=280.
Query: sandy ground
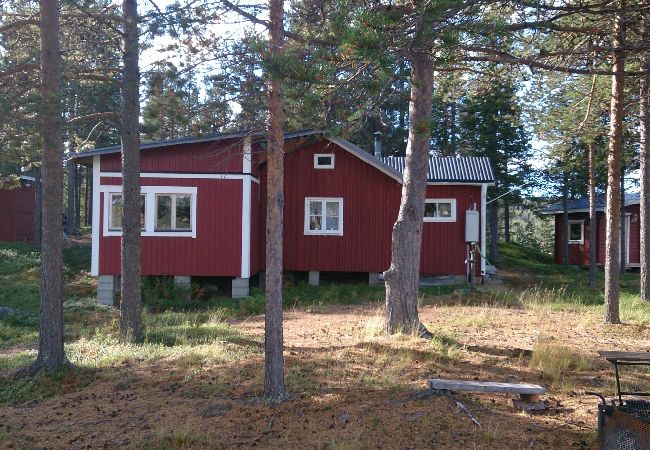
x=348, y=389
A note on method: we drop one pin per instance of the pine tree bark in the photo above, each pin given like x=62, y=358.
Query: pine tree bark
x=644, y=167
x=274, y=389
x=614, y=154
x=593, y=220
x=403, y=276
x=131, y=297
x=51, y=353
x=506, y=221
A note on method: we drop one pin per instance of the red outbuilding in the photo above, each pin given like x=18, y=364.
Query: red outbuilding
x=579, y=232
x=204, y=203
x=19, y=206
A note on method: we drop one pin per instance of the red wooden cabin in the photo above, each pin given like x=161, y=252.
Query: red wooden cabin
x=19, y=206
x=204, y=201
x=579, y=232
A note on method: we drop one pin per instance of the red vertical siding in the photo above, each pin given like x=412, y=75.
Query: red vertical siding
x=204, y=157
x=256, y=229
x=370, y=206
x=578, y=253
x=17, y=218
x=215, y=251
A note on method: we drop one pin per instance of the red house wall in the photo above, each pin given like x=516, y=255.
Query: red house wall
x=203, y=157
x=17, y=219
x=216, y=250
x=579, y=254
x=370, y=206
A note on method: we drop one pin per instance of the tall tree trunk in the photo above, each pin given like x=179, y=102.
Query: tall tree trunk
x=274, y=389
x=613, y=210
x=87, y=196
x=565, y=219
x=72, y=182
x=644, y=168
x=131, y=297
x=593, y=220
x=493, y=223
x=51, y=354
x=403, y=276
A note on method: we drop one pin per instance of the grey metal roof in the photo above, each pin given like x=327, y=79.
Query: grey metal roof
x=450, y=169
x=582, y=204
x=214, y=137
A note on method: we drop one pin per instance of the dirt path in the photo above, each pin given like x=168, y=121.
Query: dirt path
x=351, y=389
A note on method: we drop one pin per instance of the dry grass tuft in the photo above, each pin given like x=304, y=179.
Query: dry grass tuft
x=555, y=361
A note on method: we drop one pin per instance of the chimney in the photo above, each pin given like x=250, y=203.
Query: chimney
x=377, y=144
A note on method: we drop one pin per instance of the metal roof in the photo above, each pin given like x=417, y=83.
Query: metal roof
x=214, y=137
x=582, y=204
x=450, y=169
x=441, y=170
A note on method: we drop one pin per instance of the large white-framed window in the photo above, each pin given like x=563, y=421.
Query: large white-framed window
x=324, y=216
x=169, y=211
x=115, y=211
x=576, y=231
x=324, y=161
x=440, y=210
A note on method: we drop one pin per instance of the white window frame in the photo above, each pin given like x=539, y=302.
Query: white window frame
x=582, y=231
x=324, y=166
x=150, y=210
x=323, y=200
x=452, y=201
x=109, y=198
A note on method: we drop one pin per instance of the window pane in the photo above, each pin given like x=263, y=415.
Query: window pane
x=332, y=216
x=315, y=208
x=324, y=160
x=116, y=211
x=575, y=232
x=444, y=209
x=314, y=223
x=430, y=210
x=142, y=203
x=183, y=207
x=163, y=212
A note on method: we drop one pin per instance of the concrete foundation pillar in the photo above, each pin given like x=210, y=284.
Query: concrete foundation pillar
x=107, y=287
x=240, y=288
x=314, y=278
x=184, y=285
x=373, y=278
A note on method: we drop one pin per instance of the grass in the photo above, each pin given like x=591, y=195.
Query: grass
x=555, y=361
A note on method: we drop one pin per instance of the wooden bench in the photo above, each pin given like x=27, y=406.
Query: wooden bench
x=529, y=394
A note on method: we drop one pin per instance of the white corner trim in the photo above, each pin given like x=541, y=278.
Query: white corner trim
x=188, y=175
x=452, y=201
x=247, y=157
x=246, y=229
x=150, y=209
x=324, y=155
x=582, y=231
x=309, y=232
x=94, y=259
x=483, y=225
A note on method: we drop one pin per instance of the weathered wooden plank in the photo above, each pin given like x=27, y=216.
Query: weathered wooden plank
x=625, y=356
x=486, y=386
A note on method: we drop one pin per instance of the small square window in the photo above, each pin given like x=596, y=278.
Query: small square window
x=324, y=216
x=440, y=210
x=173, y=212
x=324, y=161
x=576, y=230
